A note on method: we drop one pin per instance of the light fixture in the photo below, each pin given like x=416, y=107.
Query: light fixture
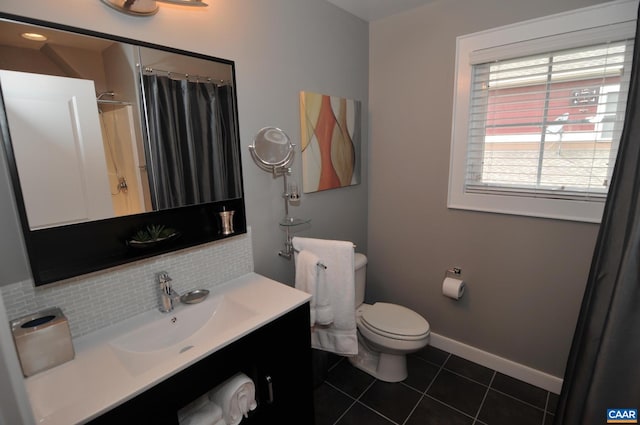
x=196, y=3
x=133, y=7
x=33, y=36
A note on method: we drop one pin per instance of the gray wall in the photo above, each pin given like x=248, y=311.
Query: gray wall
x=525, y=276
x=280, y=48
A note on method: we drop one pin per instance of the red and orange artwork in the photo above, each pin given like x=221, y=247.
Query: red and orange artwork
x=330, y=141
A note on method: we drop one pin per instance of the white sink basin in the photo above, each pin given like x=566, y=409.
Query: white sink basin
x=156, y=337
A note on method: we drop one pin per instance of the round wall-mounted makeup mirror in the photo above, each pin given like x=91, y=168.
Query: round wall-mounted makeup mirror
x=272, y=149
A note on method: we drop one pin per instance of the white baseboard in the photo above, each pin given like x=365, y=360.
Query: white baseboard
x=515, y=370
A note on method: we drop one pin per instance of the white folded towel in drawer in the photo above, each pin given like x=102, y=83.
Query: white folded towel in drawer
x=236, y=396
x=201, y=412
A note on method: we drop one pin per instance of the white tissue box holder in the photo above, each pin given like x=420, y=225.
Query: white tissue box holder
x=43, y=340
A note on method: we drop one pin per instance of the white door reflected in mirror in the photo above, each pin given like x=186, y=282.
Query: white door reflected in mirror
x=63, y=173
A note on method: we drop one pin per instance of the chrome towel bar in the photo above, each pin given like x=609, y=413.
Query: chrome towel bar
x=319, y=263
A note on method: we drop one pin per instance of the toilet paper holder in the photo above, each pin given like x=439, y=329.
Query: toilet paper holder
x=453, y=272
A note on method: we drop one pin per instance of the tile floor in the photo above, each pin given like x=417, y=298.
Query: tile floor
x=441, y=389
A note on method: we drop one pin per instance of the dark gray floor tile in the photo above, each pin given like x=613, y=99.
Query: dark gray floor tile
x=349, y=379
x=457, y=391
x=469, y=369
x=333, y=359
x=520, y=390
x=393, y=400
x=361, y=415
x=421, y=373
x=322, y=362
x=432, y=412
x=553, y=403
x=432, y=354
x=329, y=404
x=319, y=366
x=459, y=387
x=548, y=419
x=499, y=409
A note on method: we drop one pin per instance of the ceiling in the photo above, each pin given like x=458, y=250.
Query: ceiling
x=372, y=10
x=10, y=36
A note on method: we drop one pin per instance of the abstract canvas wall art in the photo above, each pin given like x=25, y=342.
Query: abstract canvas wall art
x=331, y=139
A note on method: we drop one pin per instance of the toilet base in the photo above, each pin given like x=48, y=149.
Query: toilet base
x=383, y=366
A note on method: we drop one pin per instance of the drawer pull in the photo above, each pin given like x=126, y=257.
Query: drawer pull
x=269, y=389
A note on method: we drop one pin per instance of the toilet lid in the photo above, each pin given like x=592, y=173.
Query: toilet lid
x=395, y=319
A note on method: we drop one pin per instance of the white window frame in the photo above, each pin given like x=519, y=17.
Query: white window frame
x=564, y=30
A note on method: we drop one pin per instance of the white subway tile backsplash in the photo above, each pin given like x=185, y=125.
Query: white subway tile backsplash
x=100, y=299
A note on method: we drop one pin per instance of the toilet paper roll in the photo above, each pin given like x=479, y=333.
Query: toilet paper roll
x=453, y=288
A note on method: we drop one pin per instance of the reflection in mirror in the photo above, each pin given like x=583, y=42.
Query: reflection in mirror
x=93, y=138
x=191, y=125
x=56, y=135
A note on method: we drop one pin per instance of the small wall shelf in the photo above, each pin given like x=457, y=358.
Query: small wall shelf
x=290, y=194
x=290, y=221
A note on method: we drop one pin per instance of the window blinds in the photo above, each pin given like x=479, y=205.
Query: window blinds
x=548, y=125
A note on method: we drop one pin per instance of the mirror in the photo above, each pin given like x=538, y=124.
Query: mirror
x=272, y=148
x=272, y=151
x=104, y=132
x=75, y=106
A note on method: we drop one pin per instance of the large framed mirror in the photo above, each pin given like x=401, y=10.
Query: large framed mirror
x=112, y=143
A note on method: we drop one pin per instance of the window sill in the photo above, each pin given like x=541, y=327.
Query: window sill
x=559, y=209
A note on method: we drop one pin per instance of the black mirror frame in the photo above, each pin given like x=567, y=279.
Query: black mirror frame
x=68, y=251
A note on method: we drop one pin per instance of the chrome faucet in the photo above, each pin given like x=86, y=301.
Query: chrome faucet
x=167, y=295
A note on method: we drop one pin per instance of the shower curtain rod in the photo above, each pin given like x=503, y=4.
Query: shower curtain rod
x=147, y=70
x=112, y=102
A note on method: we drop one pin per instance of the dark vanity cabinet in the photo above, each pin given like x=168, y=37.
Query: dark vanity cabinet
x=276, y=356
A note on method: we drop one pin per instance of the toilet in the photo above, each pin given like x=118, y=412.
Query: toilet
x=386, y=333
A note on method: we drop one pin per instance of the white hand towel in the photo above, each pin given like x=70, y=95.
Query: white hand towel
x=341, y=336
x=311, y=279
x=246, y=398
x=236, y=397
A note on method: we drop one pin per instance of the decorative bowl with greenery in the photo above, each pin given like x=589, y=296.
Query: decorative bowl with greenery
x=152, y=234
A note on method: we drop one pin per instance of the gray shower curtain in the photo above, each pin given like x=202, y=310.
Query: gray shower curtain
x=192, y=142
x=603, y=370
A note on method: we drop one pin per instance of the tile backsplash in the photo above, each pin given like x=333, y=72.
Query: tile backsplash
x=100, y=299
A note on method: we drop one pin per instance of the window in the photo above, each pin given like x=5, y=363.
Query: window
x=537, y=120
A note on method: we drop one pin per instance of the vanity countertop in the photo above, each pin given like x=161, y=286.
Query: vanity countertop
x=97, y=380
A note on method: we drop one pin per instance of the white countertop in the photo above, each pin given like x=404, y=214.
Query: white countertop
x=97, y=380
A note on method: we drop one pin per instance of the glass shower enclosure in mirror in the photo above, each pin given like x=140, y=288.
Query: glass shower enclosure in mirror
x=108, y=133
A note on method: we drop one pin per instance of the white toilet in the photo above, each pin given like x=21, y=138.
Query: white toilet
x=386, y=333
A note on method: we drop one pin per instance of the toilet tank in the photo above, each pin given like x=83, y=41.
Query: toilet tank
x=360, y=265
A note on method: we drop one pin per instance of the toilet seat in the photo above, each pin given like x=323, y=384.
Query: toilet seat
x=395, y=321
